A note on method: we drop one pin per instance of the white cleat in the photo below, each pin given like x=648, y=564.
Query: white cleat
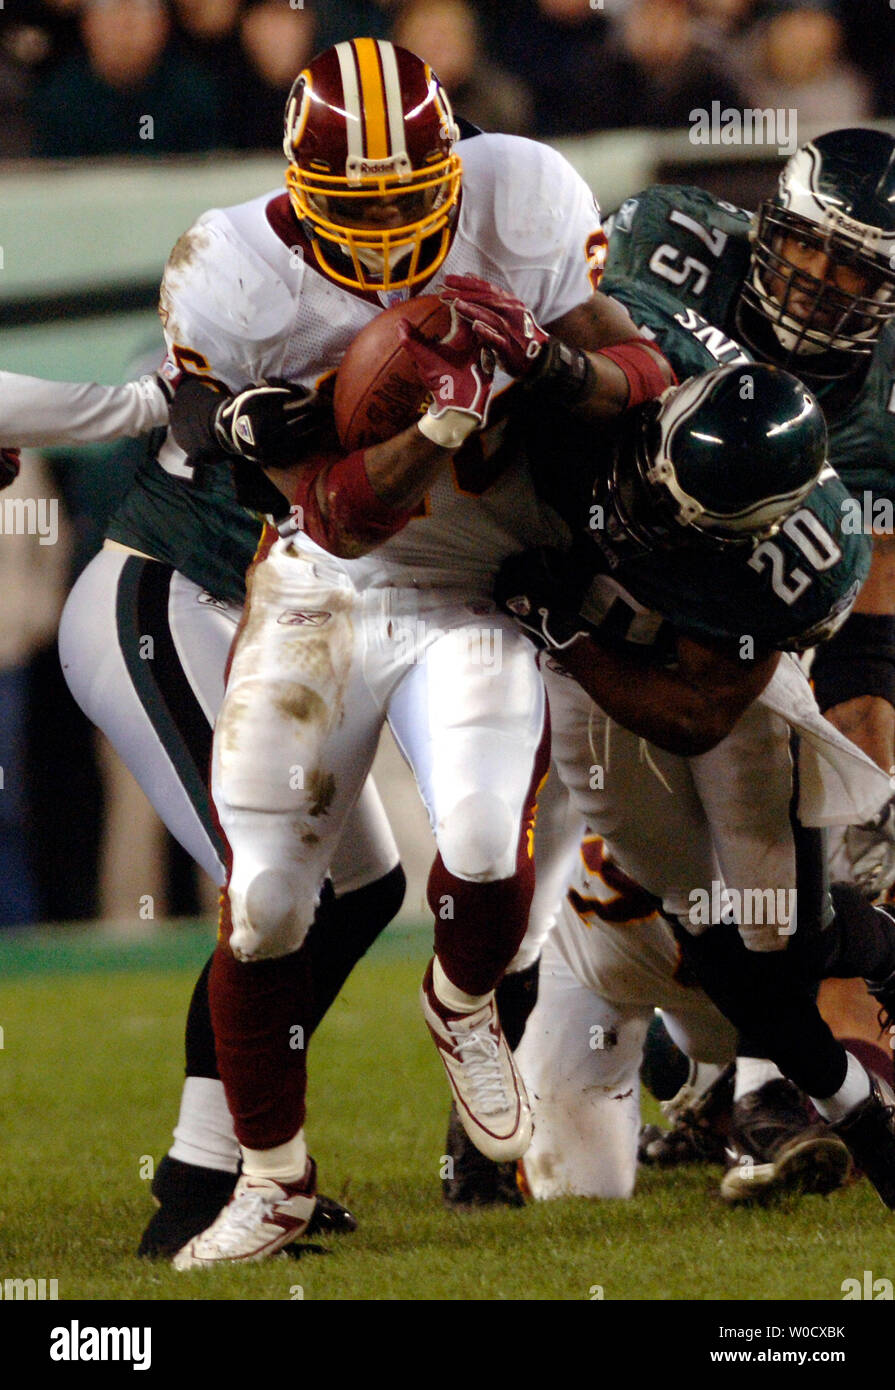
x=489, y=1092
x=261, y=1217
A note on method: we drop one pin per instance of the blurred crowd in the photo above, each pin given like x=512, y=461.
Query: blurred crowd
x=109, y=77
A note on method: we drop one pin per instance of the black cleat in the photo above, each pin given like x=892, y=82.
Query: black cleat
x=869, y=1132
x=330, y=1218
x=474, y=1180
x=189, y=1198
x=700, y=1128
x=774, y=1147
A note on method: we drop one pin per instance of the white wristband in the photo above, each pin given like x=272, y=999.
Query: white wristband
x=449, y=428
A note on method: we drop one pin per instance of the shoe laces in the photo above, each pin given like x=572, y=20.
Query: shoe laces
x=479, y=1055
x=241, y=1214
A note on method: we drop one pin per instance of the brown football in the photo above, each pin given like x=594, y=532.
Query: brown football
x=378, y=391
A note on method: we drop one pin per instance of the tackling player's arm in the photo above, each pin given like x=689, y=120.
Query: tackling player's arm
x=620, y=379
x=591, y=359
x=687, y=710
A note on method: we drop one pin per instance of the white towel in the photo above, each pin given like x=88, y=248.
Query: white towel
x=838, y=784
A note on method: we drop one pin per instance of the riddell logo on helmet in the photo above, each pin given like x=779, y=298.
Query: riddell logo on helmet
x=872, y=239
x=396, y=165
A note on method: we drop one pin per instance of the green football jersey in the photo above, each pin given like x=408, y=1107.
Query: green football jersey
x=192, y=522
x=787, y=593
x=687, y=244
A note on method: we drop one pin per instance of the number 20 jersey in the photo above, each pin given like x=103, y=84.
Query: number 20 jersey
x=788, y=592
x=694, y=247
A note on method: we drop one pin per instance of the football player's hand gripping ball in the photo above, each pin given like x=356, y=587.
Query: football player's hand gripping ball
x=498, y=320
x=458, y=373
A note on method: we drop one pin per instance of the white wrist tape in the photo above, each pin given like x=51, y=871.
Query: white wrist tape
x=449, y=428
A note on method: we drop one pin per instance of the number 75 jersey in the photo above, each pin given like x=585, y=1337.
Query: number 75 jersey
x=686, y=244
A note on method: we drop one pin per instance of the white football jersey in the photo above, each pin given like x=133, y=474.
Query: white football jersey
x=241, y=305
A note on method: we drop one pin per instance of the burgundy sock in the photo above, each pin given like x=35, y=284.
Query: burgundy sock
x=261, y=1012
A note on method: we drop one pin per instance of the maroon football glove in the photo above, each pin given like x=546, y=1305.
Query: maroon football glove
x=498, y=320
x=459, y=375
x=10, y=463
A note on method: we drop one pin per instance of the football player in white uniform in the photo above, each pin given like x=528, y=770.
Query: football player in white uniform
x=374, y=602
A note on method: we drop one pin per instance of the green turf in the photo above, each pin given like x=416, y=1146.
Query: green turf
x=89, y=1084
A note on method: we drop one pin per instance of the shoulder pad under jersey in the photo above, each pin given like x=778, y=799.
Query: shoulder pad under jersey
x=222, y=300
x=528, y=213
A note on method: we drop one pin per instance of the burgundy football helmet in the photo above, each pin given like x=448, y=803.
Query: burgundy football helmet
x=372, y=176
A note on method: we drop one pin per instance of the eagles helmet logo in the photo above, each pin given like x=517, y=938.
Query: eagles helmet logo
x=721, y=460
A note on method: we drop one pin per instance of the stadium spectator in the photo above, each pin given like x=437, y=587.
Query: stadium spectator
x=446, y=33
x=869, y=37
x=33, y=34
x=671, y=71
x=554, y=47
x=730, y=27
x=207, y=32
x=207, y=20
x=799, y=63
x=127, y=90
x=276, y=42
x=338, y=20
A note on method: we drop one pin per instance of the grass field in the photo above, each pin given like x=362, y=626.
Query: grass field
x=90, y=1073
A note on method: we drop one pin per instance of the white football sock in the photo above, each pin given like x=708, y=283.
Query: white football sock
x=453, y=998
x=854, y=1089
x=204, y=1132
x=753, y=1072
x=286, y=1163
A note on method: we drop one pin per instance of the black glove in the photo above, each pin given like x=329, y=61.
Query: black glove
x=543, y=589
x=10, y=464
x=271, y=424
